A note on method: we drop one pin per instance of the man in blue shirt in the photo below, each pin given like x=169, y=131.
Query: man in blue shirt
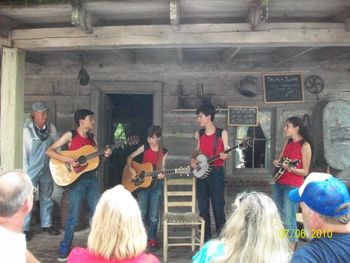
x=325, y=205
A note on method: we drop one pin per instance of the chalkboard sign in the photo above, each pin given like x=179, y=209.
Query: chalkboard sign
x=242, y=116
x=283, y=88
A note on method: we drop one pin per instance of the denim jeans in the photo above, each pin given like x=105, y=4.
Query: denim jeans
x=45, y=185
x=212, y=189
x=286, y=209
x=149, y=201
x=86, y=186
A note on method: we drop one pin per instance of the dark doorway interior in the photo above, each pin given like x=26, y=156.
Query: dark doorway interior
x=131, y=116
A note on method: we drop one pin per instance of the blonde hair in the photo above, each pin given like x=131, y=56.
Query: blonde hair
x=117, y=231
x=252, y=233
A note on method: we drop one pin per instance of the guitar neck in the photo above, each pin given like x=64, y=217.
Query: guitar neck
x=165, y=172
x=101, y=152
x=118, y=144
x=212, y=159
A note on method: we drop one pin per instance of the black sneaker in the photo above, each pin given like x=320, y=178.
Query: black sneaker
x=51, y=230
x=62, y=257
x=28, y=235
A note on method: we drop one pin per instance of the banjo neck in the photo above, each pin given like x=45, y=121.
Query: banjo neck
x=214, y=158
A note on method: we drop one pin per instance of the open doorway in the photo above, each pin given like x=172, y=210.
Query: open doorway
x=131, y=115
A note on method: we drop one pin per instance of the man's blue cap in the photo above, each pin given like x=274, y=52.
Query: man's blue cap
x=324, y=194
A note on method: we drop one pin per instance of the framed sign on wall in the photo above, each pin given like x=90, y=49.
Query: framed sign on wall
x=283, y=88
x=242, y=116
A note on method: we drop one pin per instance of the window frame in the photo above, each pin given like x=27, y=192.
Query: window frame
x=272, y=147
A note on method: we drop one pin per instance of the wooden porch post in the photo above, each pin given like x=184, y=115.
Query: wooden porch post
x=12, y=101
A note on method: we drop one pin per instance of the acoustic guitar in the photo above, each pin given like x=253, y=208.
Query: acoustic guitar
x=203, y=163
x=279, y=171
x=146, y=177
x=88, y=158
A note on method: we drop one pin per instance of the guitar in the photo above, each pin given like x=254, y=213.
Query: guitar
x=88, y=158
x=279, y=171
x=203, y=169
x=146, y=176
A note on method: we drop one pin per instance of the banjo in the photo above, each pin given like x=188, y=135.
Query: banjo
x=203, y=163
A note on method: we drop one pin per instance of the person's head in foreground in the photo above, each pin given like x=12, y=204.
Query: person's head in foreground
x=325, y=203
x=117, y=229
x=251, y=233
x=16, y=196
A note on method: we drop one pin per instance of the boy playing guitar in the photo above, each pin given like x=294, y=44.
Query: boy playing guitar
x=87, y=185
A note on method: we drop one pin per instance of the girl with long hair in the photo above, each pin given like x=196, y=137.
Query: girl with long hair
x=297, y=147
x=251, y=234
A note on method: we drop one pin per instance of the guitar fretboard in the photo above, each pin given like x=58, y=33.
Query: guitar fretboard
x=165, y=172
x=119, y=144
x=212, y=159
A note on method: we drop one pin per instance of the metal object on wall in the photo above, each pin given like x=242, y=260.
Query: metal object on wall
x=248, y=86
x=193, y=101
x=314, y=84
x=331, y=128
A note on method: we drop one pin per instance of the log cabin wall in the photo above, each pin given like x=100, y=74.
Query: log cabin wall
x=58, y=86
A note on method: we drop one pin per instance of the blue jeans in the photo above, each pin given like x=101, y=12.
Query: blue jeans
x=286, y=209
x=212, y=189
x=86, y=186
x=45, y=183
x=149, y=201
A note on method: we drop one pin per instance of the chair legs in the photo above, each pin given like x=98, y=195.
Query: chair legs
x=202, y=233
x=165, y=242
x=193, y=239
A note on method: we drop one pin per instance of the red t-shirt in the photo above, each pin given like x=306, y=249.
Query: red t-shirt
x=206, y=147
x=150, y=156
x=293, y=152
x=79, y=141
x=79, y=254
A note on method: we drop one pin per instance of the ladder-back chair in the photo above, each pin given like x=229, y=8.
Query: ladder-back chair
x=179, y=214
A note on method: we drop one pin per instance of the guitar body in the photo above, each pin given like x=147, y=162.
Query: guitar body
x=65, y=174
x=142, y=181
x=279, y=171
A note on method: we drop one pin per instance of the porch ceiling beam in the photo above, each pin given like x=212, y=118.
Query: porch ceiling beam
x=81, y=18
x=174, y=13
x=195, y=35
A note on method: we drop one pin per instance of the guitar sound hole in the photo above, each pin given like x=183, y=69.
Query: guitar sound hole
x=139, y=180
x=82, y=159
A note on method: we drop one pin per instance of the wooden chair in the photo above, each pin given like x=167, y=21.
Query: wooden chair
x=179, y=214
